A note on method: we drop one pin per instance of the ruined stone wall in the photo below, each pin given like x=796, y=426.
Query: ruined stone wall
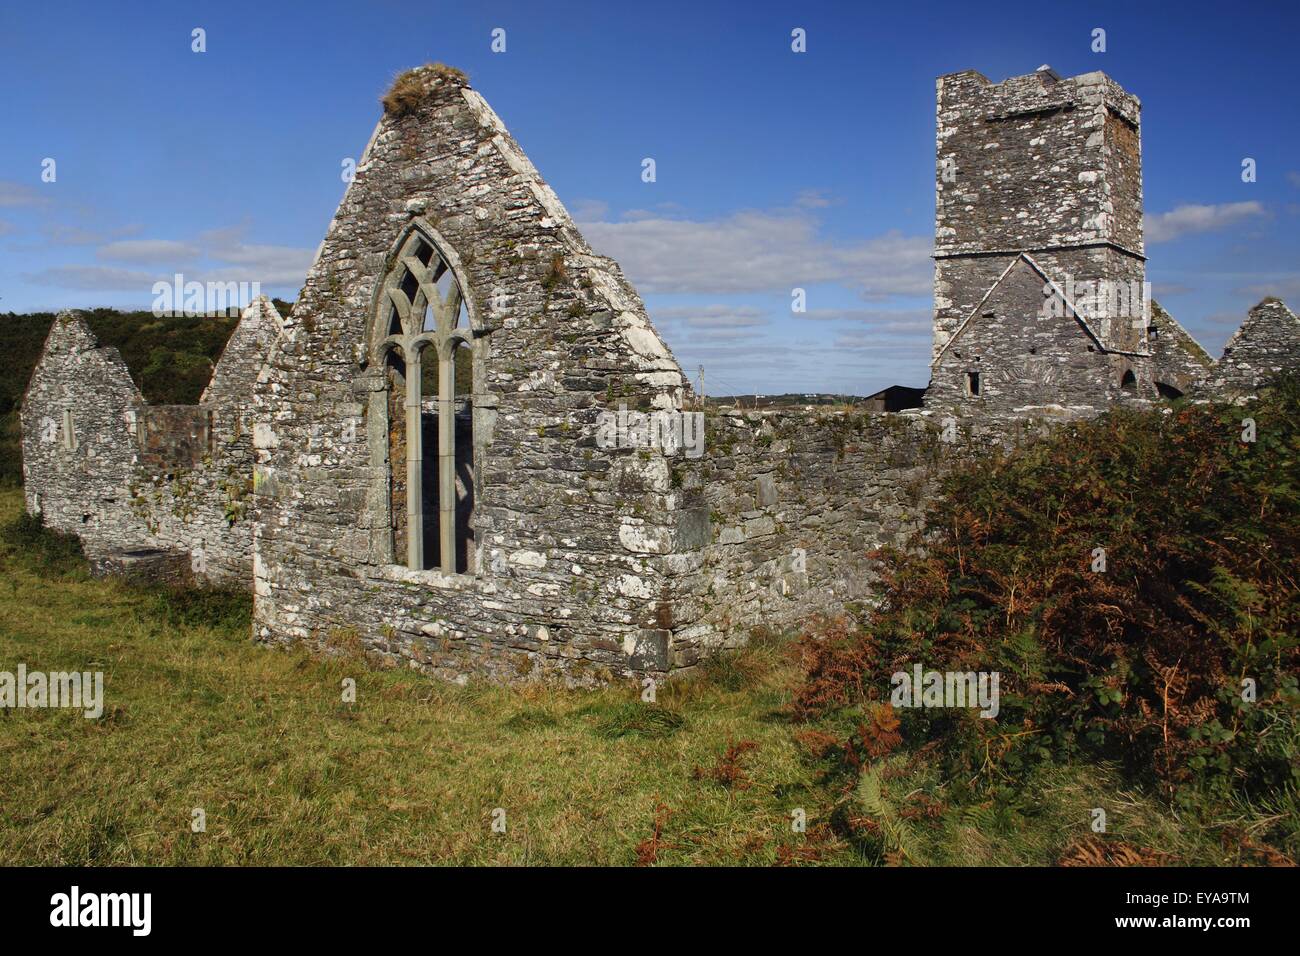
x=587, y=561
x=1178, y=360
x=797, y=500
x=1266, y=345
x=80, y=421
x=173, y=478
x=205, y=509
x=561, y=526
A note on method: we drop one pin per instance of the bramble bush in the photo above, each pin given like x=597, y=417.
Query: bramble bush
x=1144, y=663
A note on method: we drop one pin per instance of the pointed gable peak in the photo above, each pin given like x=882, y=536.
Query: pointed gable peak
x=70, y=331
x=1268, y=316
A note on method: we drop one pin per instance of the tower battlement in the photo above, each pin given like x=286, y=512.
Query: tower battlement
x=1036, y=162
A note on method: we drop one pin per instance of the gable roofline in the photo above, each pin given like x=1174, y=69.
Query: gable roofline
x=1078, y=316
x=656, y=363
x=261, y=309
x=1182, y=330
x=1250, y=319
x=73, y=321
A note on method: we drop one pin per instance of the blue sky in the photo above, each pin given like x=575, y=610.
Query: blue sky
x=774, y=169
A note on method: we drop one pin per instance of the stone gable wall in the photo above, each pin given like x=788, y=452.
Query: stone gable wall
x=1177, y=359
x=82, y=489
x=1267, y=344
x=1030, y=352
x=176, y=478
x=560, y=335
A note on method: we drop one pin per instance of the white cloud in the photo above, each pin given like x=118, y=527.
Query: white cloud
x=759, y=251
x=911, y=320
x=19, y=194
x=218, y=255
x=588, y=210
x=148, y=251
x=686, y=325
x=1189, y=219
x=814, y=199
x=1284, y=286
x=904, y=346
x=270, y=265
x=65, y=235
x=93, y=278
x=710, y=316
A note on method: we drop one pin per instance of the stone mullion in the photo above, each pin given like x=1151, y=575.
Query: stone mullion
x=447, y=453
x=414, y=459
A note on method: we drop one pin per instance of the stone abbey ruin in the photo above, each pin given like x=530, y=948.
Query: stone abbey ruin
x=408, y=463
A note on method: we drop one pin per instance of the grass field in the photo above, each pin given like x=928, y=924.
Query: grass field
x=196, y=716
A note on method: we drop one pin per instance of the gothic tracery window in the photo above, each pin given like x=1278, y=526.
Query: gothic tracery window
x=424, y=339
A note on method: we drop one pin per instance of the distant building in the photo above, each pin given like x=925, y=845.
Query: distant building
x=895, y=398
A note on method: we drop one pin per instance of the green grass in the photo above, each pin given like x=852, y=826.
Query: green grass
x=196, y=716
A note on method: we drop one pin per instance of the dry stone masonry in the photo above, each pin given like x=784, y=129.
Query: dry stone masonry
x=155, y=491
x=410, y=462
x=1267, y=344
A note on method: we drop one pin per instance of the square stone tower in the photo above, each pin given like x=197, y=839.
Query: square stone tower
x=1043, y=166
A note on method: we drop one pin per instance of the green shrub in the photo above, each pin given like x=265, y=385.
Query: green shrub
x=1143, y=663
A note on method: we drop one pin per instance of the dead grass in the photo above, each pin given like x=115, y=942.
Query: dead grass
x=411, y=88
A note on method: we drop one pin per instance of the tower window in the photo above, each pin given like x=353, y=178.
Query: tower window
x=972, y=383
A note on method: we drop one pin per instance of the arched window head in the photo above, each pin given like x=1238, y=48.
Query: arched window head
x=421, y=298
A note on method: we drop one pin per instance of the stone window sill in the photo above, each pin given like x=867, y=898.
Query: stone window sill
x=431, y=577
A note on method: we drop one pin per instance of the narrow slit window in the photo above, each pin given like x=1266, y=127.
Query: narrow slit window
x=972, y=383
x=69, y=431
